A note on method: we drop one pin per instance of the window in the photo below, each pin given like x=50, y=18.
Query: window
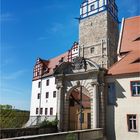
x=51, y=111
x=54, y=94
x=41, y=110
x=132, y=123
x=71, y=102
x=92, y=7
x=92, y=50
x=38, y=96
x=47, y=82
x=135, y=88
x=111, y=94
x=47, y=94
x=38, y=73
x=82, y=118
x=39, y=84
x=61, y=60
x=36, y=110
x=46, y=111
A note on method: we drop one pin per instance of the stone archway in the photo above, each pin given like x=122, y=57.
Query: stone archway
x=79, y=108
x=89, y=76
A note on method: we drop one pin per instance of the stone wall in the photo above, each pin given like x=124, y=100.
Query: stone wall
x=93, y=35
x=96, y=134
x=9, y=133
x=98, y=35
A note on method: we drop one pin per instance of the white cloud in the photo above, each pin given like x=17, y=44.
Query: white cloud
x=13, y=75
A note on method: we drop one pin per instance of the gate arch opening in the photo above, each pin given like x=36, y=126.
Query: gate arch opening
x=79, y=107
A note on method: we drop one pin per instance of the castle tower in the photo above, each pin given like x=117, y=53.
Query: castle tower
x=98, y=31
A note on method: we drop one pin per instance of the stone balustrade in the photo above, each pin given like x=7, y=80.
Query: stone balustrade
x=89, y=134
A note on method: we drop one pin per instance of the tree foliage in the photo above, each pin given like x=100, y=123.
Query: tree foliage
x=12, y=118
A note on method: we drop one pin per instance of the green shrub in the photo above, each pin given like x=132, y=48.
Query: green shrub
x=47, y=123
x=71, y=136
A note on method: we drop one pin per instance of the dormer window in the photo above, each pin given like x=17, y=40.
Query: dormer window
x=136, y=61
x=46, y=70
x=62, y=59
x=137, y=39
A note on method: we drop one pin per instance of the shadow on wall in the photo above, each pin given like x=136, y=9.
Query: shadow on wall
x=111, y=105
x=119, y=91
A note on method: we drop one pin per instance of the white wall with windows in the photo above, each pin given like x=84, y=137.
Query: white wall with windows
x=44, y=98
x=123, y=107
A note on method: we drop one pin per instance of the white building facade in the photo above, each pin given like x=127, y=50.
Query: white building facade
x=44, y=91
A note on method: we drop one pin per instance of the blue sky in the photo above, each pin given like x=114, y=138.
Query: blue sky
x=37, y=28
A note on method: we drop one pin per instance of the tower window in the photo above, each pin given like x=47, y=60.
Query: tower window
x=132, y=123
x=92, y=7
x=92, y=50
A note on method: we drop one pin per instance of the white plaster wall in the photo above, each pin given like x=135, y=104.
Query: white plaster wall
x=126, y=104
x=34, y=100
x=51, y=101
x=45, y=102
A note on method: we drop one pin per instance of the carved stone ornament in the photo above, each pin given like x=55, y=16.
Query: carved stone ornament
x=79, y=63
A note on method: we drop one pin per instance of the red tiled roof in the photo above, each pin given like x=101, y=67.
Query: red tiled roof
x=130, y=43
x=131, y=31
x=54, y=62
x=129, y=64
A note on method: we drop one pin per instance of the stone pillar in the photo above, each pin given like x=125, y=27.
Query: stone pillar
x=102, y=106
x=60, y=108
x=95, y=106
